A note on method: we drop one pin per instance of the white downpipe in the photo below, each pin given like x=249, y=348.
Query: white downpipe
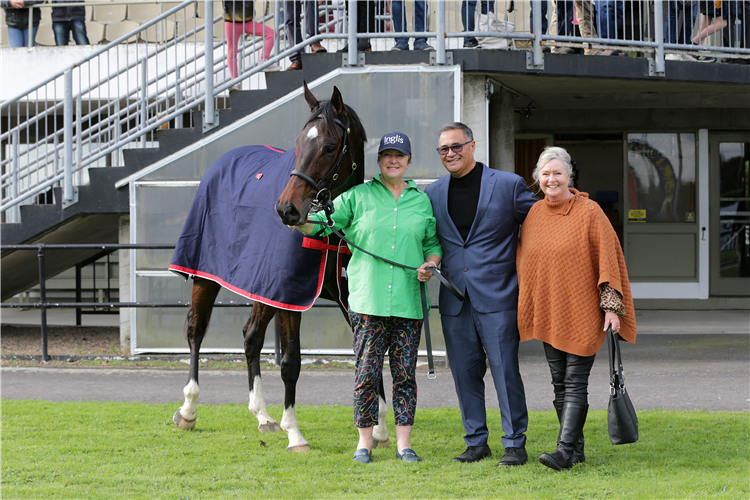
x=68, y=138
x=208, y=52
x=440, y=39
x=352, y=20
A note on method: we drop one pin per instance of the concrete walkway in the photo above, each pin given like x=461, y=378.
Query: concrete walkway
x=662, y=371
x=683, y=360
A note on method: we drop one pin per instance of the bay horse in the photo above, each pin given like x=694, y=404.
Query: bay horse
x=328, y=159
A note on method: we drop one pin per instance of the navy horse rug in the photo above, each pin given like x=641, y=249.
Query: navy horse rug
x=233, y=235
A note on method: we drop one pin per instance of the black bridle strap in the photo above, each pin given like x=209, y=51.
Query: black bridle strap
x=423, y=290
x=334, y=170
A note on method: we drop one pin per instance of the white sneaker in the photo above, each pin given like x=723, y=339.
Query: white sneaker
x=679, y=57
x=272, y=67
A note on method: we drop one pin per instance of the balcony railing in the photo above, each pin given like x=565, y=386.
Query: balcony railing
x=152, y=76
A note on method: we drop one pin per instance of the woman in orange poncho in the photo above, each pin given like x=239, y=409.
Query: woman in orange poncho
x=573, y=285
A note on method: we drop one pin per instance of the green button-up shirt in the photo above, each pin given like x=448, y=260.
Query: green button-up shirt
x=402, y=231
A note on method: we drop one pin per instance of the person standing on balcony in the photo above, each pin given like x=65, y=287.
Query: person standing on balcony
x=468, y=13
x=478, y=212
x=365, y=24
x=17, y=19
x=238, y=20
x=399, y=25
x=609, y=15
x=67, y=20
x=292, y=25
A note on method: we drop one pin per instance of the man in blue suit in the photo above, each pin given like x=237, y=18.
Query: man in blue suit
x=479, y=212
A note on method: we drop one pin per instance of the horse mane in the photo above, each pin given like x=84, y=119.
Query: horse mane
x=327, y=113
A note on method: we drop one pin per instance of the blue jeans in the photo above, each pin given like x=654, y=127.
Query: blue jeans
x=609, y=15
x=544, y=17
x=20, y=38
x=397, y=11
x=671, y=20
x=63, y=29
x=468, y=11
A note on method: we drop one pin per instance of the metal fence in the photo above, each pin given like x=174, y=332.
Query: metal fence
x=154, y=75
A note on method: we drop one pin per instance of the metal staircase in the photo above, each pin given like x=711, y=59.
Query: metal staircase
x=59, y=133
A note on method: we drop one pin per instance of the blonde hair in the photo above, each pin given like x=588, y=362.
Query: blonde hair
x=553, y=153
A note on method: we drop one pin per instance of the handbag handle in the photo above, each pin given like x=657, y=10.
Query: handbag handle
x=616, y=380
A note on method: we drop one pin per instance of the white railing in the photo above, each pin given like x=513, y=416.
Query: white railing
x=152, y=76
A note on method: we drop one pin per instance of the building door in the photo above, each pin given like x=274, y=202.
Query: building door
x=730, y=215
x=663, y=250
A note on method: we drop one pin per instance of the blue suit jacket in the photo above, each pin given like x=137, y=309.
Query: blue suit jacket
x=485, y=264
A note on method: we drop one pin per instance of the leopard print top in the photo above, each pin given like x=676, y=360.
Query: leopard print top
x=611, y=300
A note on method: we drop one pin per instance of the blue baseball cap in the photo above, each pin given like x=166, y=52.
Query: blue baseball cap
x=395, y=140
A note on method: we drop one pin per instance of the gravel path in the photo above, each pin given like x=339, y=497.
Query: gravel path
x=62, y=340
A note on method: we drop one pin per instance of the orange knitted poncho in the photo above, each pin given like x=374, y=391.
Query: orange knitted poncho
x=566, y=251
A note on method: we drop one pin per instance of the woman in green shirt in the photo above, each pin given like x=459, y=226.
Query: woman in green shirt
x=391, y=218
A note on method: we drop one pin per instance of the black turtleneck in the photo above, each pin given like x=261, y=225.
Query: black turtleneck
x=463, y=198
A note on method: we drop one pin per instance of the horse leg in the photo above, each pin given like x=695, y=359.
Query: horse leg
x=196, y=323
x=291, y=360
x=380, y=431
x=255, y=333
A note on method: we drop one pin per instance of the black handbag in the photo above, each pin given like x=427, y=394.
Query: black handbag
x=621, y=418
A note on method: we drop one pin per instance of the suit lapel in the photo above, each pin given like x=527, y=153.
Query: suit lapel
x=485, y=193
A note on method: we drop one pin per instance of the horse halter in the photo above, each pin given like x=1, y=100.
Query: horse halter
x=322, y=199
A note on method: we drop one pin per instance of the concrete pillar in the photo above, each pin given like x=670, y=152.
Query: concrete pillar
x=124, y=269
x=502, y=131
x=474, y=113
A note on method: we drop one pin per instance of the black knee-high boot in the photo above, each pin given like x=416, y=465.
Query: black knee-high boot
x=571, y=427
x=579, y=456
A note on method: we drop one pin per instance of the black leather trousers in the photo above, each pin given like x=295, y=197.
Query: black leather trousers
x=570, y=375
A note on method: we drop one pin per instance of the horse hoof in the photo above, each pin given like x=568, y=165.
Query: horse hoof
x=274, y=427
x=302, y=448
x=380, y=444
x=182, y=422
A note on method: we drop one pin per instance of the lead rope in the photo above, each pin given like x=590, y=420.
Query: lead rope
x=423, y=289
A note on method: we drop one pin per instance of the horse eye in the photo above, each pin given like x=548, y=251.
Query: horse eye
x=329, y=149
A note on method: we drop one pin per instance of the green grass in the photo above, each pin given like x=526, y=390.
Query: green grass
x=132, y=450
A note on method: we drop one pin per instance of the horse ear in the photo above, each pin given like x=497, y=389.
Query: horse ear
x=310, y=98
x=337, y=101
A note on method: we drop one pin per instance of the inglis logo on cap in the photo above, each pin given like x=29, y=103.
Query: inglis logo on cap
x=395, y=140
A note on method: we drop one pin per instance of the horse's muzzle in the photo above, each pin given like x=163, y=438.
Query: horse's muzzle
x=289, y=214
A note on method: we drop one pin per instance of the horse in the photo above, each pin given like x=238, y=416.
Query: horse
x=328, y=159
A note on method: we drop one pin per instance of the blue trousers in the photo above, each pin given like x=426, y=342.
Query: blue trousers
x=609, y=15
x=20, y=38
x=399, y=22
x=471, y=338
x=63, y=29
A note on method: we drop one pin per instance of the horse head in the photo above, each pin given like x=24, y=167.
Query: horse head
x=330, y=158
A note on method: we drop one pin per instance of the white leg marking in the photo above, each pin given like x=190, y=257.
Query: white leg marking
x=191, y=392
x=289, y=425
x=257, y=405
x=312, y=133
x=380, y=431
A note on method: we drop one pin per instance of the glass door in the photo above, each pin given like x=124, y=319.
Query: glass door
x=730, y=215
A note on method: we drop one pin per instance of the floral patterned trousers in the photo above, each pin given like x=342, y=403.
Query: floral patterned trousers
x=373, y=336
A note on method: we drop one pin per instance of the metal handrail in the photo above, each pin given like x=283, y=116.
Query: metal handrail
x=116, y=118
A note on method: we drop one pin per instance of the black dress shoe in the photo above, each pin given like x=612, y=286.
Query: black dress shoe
x=473, y=454
x=513, y=457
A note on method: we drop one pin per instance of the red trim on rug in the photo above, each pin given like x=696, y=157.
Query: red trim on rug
x=258, y=298
x=273, y=149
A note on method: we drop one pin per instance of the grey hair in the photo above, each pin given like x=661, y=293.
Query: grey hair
x=553, y=153
x=457, y=126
